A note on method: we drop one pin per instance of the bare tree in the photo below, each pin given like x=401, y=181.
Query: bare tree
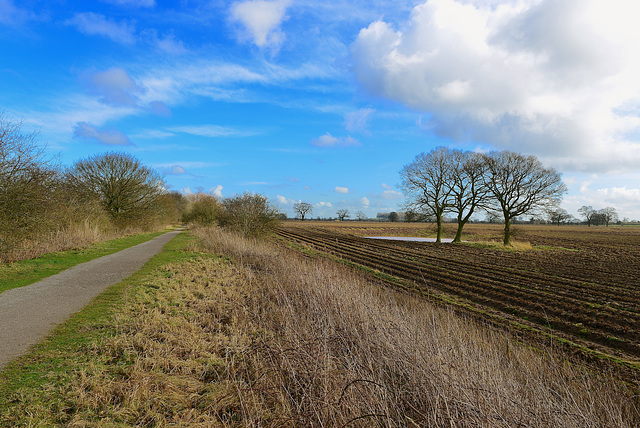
x=609, y=215
x=557, y=215
x=342, y=214
x=302, y=209
x=587, y=212
x=361, y=216
x=393, y=217
x=28, y=183
x=127, y=189
x=468, y=187
x=426, y=183
x=521, y=184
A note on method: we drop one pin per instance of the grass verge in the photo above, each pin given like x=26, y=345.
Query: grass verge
x=35, y=389
x=19, y=274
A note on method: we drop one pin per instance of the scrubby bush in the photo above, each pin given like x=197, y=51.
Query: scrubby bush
x=202, y=209
x=250, y=214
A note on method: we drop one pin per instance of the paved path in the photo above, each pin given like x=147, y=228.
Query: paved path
x=28, y=314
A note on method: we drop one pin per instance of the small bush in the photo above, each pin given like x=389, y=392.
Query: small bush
x=250, y=214
x=203, y=210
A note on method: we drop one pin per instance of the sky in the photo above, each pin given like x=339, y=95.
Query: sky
x=325, y=101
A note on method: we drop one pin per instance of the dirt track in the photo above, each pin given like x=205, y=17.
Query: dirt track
x=28, y=314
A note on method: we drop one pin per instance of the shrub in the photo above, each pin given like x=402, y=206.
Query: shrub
x=250, y=214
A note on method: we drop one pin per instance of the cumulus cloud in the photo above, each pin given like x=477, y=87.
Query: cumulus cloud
x=261, y=19
x=328, y=140
x=324, y=205
x=95, y=24
x=217, y=191
x=285, y=201
x=110, y=137
x=365, y=202
x=357, y=120
x=340, y=189
x=114, y=87
x=555, y=78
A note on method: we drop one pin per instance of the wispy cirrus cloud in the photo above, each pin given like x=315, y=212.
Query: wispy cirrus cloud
x=213, y=131
x=95, y=24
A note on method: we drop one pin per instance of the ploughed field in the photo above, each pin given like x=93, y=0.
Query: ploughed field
x=576, y=283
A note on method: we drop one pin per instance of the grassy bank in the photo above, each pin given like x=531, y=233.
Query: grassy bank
x=229, y=332
x=19, y=274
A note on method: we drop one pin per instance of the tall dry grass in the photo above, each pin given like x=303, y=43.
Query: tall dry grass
x=347, y=351
x=265, y=336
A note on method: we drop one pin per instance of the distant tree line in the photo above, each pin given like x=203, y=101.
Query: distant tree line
x=594, y=217
x=462, y=183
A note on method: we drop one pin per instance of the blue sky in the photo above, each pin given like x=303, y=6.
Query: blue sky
x=324, y=102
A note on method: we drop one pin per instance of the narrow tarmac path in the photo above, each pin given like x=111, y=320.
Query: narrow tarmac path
x=28, y=314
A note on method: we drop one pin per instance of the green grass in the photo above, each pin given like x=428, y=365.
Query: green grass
x=19, y=274
x=39, y=379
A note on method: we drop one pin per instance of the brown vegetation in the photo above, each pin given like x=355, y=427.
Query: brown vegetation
x=584, y=292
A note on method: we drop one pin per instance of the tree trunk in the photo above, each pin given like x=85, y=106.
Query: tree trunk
x=507, y=231
x=461, y=224
x=439, y=227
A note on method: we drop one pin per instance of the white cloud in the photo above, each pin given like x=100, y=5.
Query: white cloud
x=558, y=79
x=365, y=202
x=285, y=201
x=340, y=189
x=324, y=205
x=357, y=120
x=95, y=24
x=386, y=186
x=110, y=137
x=114, y=87
x=261, y=19
x=217, y=191
x=328, y=140
x=391, y=194
x=177, y=170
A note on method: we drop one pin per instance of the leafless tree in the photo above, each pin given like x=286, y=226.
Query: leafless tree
x=127, y=189
x=361, y=216
x=587, y=212
x=468, y=186
x=28, y=183
x=558, y=215
x=426, y=183
x=609, y=215
x=520, y=184
x=302, y=209
x=342, y=214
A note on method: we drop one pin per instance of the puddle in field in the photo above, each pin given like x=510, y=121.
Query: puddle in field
x=409, y=238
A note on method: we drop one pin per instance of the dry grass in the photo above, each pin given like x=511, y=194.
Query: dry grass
x=348, y=351
x=271, y=338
